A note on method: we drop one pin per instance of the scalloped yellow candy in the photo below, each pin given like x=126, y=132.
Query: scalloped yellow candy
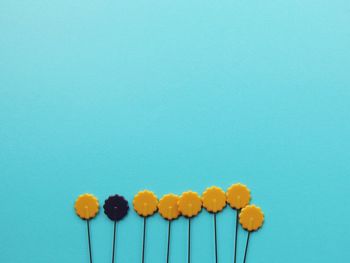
x=190, y=204
x=251, y=217
x=86, y=206
x=168, y=208
x=145, y=203
x=238, y=196
x=214, y=199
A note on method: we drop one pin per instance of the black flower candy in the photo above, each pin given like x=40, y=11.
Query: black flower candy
x=116, y=207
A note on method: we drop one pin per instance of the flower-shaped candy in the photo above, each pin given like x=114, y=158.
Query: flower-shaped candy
x=116, y=207
x=238, y=196
x=168, y=208
x=190, y=204
x=86, y=206
x=145, y=203
x=214, y=199
x=251, y=217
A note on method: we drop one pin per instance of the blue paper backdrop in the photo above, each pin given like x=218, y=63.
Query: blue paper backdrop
x=117, y=96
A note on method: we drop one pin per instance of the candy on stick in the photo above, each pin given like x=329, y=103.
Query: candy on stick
x=86, y=207
x=189, y=204
x=251, y=218
x=168, y=209
x=214, y=201
x=238, y=196
x=116, y=208
x=145, y=204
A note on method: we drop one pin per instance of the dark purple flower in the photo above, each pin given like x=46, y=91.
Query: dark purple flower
x=116, y=207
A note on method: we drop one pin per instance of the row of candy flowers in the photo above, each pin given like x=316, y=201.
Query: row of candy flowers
x=171, y=206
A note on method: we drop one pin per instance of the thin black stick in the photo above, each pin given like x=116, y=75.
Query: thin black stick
x=236, y=235
x=189, y=241
x=114, y=234
x=89, y=239
x=169, y=235
x=216, y=240
x=246, y=248
x=144, y=240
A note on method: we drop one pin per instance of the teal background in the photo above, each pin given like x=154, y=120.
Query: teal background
x=117, y=96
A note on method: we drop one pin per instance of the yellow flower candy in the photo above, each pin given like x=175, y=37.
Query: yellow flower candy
x=86, y=206
x=145, y=203
x=190, y=204
x=214, y=199
x=168, y=207
x=238, y=196
x=251, y=217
